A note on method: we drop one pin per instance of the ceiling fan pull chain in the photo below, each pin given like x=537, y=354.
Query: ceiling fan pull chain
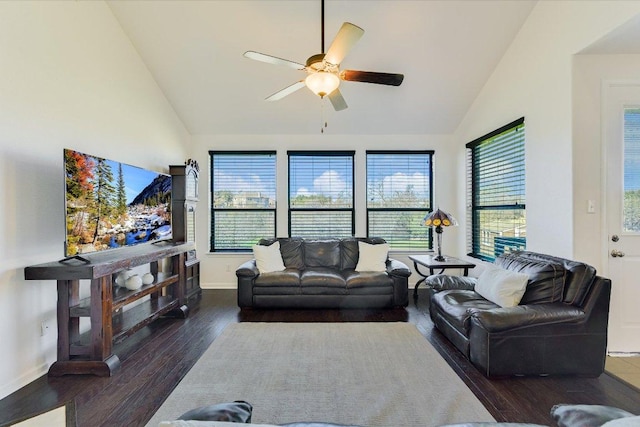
x=322, y=115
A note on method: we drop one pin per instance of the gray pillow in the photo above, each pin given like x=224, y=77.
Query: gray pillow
x=235, y=412
x=586, y=415
x=483, y=424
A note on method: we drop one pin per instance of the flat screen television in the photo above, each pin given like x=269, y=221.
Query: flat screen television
x=109, y=204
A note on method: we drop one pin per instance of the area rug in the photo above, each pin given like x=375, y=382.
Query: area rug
x=369, y=374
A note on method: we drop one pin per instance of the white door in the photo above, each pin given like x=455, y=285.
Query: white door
x=621, y=133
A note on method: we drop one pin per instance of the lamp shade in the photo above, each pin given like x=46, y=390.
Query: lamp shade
x=439, y=218
x=322, y=83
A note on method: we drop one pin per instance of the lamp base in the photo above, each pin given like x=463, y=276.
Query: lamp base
x=439, y=258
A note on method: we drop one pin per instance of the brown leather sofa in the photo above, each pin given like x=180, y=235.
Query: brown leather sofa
x=559, y=327
x=321, y=274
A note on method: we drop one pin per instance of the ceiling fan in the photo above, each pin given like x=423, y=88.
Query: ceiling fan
x=323, y=69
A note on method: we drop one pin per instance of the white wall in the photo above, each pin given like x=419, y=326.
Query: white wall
x=218, y=269
x=534, y=80
x=589, y=73
x=69, y=77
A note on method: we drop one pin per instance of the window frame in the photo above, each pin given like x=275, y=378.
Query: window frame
x=473, y=208
x=424, y=211
x=316, y=153
x=213, y=210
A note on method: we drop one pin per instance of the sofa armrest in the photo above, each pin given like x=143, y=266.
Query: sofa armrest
x=248, y=269
x=508, y=318
x=397, y=268
x=443, y=282
x=246, y=273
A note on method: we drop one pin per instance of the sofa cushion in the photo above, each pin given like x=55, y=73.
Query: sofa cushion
x=503, y=287
x=357, y=279
x=268, y=258
x=372, y=257
x=586, y=415
x=456, y=307
x=350, y=252
x=546, y=279
x=322, y=276
x=580, y=276
x=290, y=249
x=322, y=253
x=286, y=278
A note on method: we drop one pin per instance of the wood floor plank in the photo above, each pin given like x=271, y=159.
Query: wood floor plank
x=156, y=358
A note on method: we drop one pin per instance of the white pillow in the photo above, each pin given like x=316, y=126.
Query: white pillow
x=502, y=287
x=268, y=258
x=372, y=257
x=623, y=422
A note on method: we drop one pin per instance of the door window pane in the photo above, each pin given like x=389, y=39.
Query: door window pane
x=631, y=209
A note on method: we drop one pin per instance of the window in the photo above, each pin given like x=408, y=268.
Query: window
x=243, y=210
x=321, y=194
x=399, y=194
x=496, y=192
x=631, y=211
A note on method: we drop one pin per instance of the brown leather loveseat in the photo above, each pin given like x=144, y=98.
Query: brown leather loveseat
x=559, y=326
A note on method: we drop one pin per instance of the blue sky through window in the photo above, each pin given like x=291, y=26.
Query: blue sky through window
x=632, y=149
x=396, y=173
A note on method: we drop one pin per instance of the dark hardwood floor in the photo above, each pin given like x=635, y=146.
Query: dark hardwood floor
x=156, y=358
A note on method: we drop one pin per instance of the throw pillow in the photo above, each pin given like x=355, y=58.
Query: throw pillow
x=238, y=411
x=502, y=287
x=372, y=257
x=268, y=258
x=586, y=415
x=623, y=422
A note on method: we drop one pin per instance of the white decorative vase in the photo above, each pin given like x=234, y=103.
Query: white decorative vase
x=147, y=279
x=133, y=282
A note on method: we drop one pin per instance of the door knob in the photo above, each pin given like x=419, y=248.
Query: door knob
x=617, y=254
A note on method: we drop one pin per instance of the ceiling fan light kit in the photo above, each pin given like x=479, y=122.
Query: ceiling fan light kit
x=322, y=83
x=323, y=69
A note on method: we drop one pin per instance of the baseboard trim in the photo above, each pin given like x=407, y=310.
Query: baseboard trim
x=23, y=380
x=218, y=285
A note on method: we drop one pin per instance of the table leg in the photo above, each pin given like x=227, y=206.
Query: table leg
x=424, y=277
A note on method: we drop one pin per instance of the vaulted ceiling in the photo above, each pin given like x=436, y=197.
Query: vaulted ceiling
x=445, y=49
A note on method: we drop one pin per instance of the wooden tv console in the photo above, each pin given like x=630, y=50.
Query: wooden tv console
x=109, y=308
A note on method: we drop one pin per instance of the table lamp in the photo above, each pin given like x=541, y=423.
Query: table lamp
x=438, y=219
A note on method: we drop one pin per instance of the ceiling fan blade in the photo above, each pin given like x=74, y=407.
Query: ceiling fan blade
x=286, y=91
x=347, y=36
x=273, y=60
x=337, y=100
x=372, y=77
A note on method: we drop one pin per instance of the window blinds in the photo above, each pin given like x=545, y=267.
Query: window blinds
x=321, y=194
x=399, y=195
x=496, y=171
x=243, y=188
